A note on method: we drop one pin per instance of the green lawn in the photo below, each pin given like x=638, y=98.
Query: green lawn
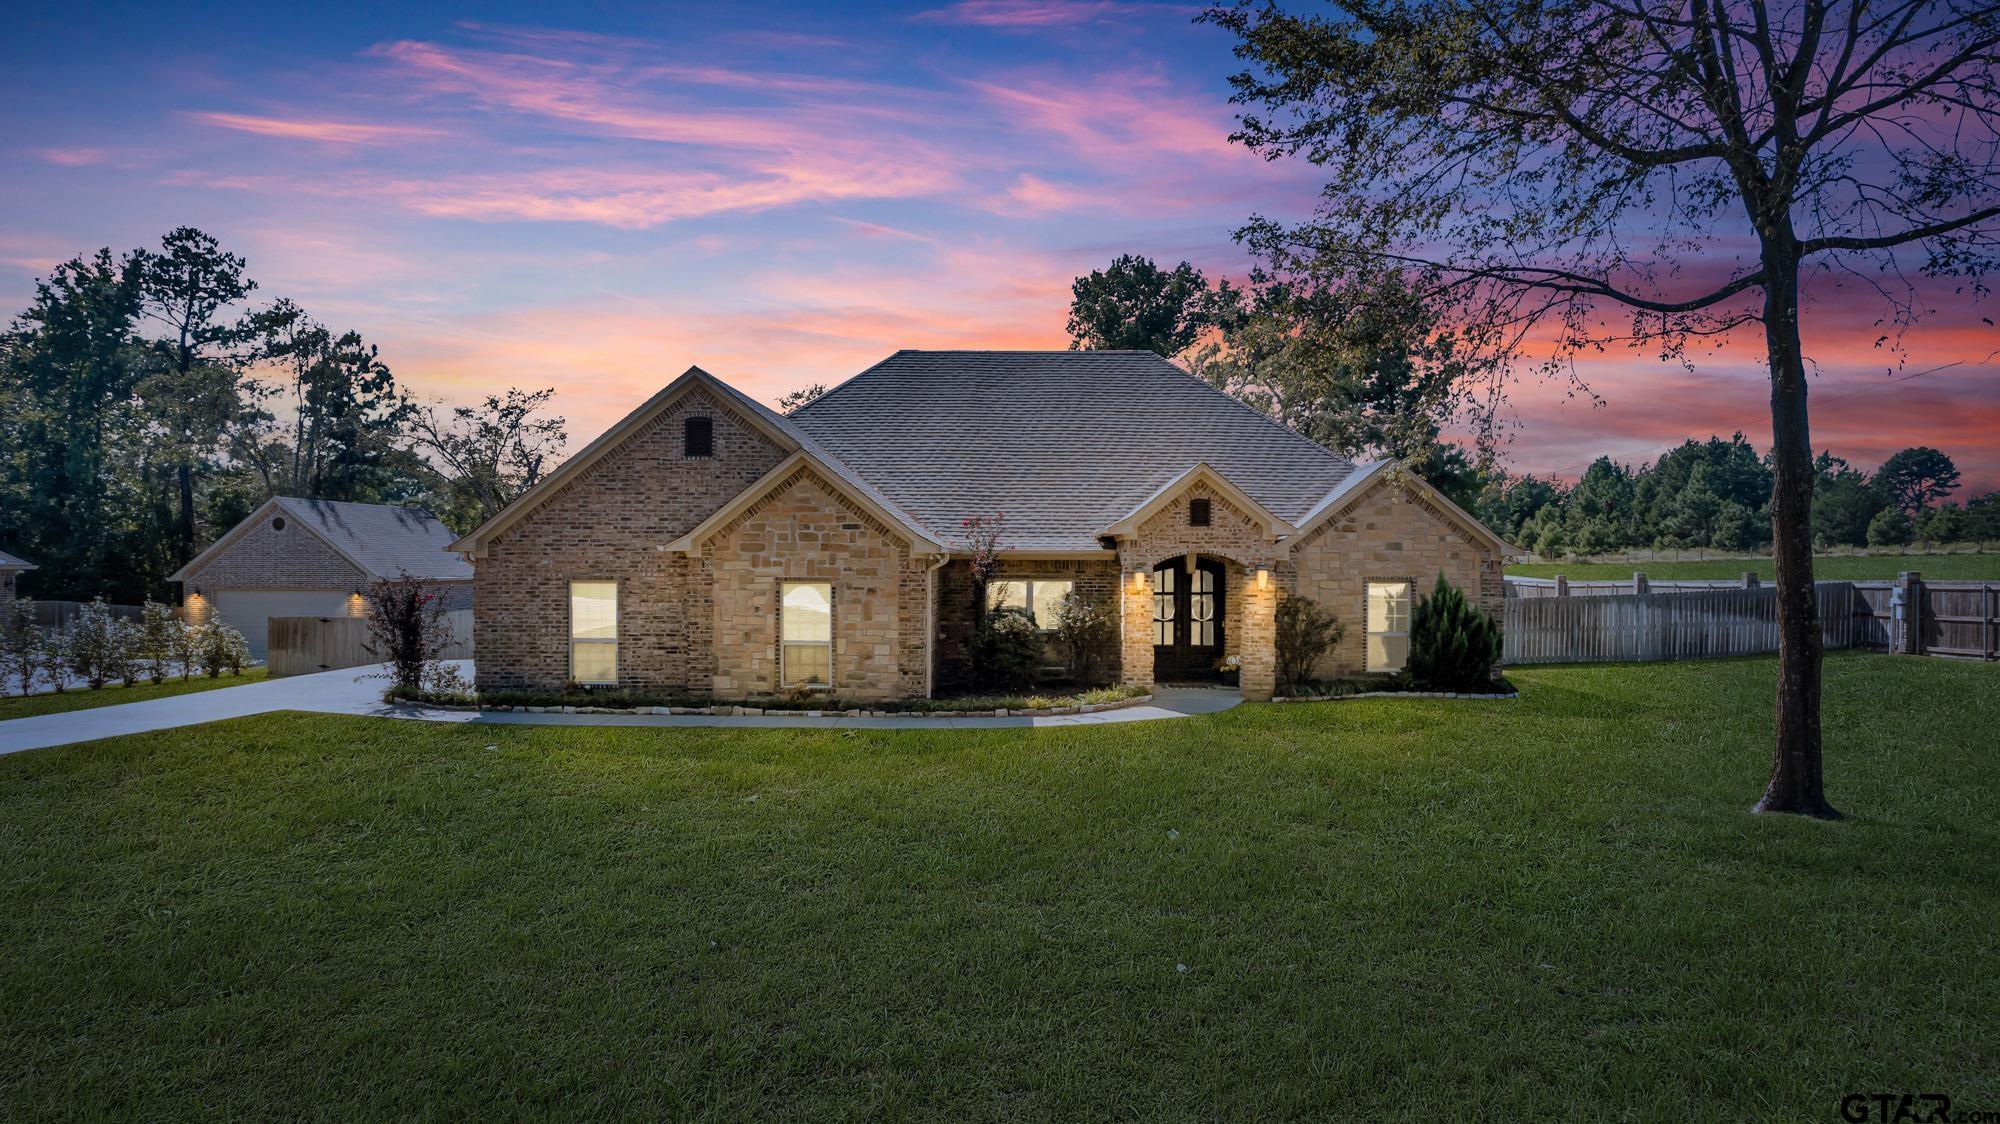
x=1938, y=567
x=1557, y=908
x=83, y=698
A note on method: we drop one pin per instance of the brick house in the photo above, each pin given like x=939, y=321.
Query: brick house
x=316, y=558
x=10, y=569
x=707, y=543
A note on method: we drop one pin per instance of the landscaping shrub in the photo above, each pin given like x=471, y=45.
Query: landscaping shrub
x=22, y=649
x=1083, y=633
x=1306, y=631
x=1007, y=649
x=184, y=646
x=154, y=644
x=220, y=648
x=407, y=625
x=1453, y=646
x=98, y=646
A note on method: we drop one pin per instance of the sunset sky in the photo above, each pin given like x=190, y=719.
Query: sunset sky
x=781, y=195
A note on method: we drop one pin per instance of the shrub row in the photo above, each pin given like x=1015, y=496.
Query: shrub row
x=99, y=647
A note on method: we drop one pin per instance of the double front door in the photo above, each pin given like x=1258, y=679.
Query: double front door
x=1187, y=620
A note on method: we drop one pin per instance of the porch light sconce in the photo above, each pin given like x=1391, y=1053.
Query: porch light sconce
x=1263, y=579
x=1138, y=580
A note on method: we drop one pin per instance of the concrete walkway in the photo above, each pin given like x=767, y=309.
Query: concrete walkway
x=358, y=691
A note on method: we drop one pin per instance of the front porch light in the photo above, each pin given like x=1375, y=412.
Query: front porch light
x=1263, y=579
x=1138, y=580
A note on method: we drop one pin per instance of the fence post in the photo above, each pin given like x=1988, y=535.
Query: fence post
x=1910, y=585
x=1639, y=585
x=1749, y=579
x=1562, y=586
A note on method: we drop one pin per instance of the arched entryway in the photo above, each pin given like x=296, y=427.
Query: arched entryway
x=1188, y=616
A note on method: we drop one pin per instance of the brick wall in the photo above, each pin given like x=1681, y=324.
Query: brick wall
x=607, y=524
x=267, y=558
x=804, y=530
x=1096, y=579
x=1392, y=532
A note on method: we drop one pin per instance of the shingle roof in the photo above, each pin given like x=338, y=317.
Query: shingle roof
x=9, y=562
x=386, y=541
x=1063, y=442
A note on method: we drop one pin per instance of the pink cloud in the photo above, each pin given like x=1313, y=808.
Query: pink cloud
x=72, y=157
x=1119, y=118
x=324, y=132
x=1034, y=14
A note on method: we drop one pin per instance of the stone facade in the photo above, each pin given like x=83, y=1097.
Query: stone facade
x=1391, y=532
x=268, y=558
x=1234, y=537
x=1095, y=578
x=804, y=529
x=610, y=523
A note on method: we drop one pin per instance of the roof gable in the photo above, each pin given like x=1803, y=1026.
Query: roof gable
x=9, y=562
x=1368, y=476
x=380, y=540
x=1274, y=526
x=723, y=517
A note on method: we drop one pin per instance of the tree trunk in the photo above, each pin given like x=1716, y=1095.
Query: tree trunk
x=1796, y=780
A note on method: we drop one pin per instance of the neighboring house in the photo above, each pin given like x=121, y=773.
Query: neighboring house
x=10, y=569
x=708, y=543
x=316, y=558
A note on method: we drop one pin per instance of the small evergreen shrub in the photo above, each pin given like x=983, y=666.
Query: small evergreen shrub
x=23, y=652
x=155, y=646
x=1306, y=631
x=1007, y=649
x=1453, y=646
x=220, y=648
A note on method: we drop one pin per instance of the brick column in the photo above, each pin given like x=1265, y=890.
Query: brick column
x=1260, y=639
x=1135, y=630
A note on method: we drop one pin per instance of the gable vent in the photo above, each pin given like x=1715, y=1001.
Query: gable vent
x=1198, y=512
x=698, y=437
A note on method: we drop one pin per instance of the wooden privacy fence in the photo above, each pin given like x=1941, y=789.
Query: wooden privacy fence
x=301, y=645
x=1612, y=587
x=1665, y=626
x=1960, y=620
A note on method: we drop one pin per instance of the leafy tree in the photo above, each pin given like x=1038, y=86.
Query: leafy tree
x=71, y=434
x=186, y=289
x=1844, y=502
x=1506, y=502
x=1134, y=305
x=1546, y=162
x=491, y=454
x=408, y=628
x=1916, y=479
x=1366, y=369
x=347, y=413
x=1890, y=527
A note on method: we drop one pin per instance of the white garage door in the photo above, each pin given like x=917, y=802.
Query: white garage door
x=249, y=611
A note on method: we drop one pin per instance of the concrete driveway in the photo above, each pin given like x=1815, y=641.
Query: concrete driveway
x=358, y=691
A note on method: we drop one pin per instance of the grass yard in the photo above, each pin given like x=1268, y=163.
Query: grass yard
x=83, y=698
x=1556, y=908
x=1833, y=567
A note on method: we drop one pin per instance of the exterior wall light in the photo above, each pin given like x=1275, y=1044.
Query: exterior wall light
x=1138, y=580
x=1263, y=578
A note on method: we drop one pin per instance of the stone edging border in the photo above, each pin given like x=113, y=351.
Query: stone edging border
x=780, y=712
x=1480, y=697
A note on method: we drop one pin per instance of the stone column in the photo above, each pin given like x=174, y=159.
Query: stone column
x=1260, y=637
x=1135, y=629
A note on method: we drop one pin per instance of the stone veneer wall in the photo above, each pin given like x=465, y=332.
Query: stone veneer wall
x=1392, y=532
x=1232, y=536
x=1095, y=578
x=803, y=530
x=267, y=558
x=608, y=524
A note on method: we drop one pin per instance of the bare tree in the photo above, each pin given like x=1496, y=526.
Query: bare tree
x=1652, y=173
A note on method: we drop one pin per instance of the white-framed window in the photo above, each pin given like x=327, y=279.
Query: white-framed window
x=1163, y=607
x=1041, y=597
x=1388, y=625
x=593, y=632
x=805, y=621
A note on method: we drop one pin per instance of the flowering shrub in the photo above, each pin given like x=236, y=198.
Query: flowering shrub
x=407, y=625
